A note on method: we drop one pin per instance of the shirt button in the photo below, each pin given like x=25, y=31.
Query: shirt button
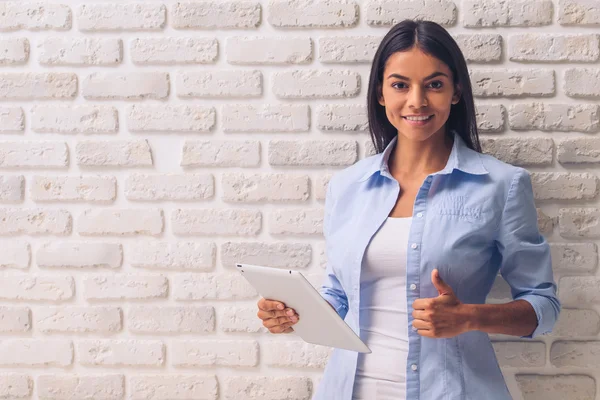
x=420, y=215
x=414, y=246
x=413, y=286
x=413, y=367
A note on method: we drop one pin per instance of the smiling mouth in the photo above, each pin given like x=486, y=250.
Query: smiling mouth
x=418, y=118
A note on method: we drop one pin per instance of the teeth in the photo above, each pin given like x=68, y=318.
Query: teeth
x=416, y=118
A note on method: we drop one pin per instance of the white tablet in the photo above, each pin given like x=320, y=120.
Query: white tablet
x=318, y=322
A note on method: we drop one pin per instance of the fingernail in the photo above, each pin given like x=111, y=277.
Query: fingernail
x=294, y=319
x=280, y=306
x=290, y=312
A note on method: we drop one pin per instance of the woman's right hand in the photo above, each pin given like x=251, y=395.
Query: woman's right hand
x=276, y=317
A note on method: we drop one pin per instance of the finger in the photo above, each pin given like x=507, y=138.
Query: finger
x=268, y=305
x=276, y=313
x=425, y=333
x=421, y=304
x=421, y=315
x=279, y=328
x=420, y=324
x=441, y=286
x=289, y=330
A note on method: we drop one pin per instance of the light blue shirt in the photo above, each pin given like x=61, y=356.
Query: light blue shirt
x=471, y=220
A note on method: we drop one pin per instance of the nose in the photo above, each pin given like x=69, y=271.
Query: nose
x=417, y=98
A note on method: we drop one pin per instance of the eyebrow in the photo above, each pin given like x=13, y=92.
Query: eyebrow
x=426, y=78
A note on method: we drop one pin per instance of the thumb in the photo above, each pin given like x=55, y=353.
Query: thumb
x=440, y=285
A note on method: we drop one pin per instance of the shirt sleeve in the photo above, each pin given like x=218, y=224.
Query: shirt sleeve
x=526, y=262
x=331, y=289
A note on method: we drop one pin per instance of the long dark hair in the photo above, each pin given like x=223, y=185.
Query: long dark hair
x=434, y=40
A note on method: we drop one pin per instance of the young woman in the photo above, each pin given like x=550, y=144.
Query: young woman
x=417, y=234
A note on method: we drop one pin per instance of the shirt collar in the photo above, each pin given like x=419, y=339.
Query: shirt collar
x=461, y=158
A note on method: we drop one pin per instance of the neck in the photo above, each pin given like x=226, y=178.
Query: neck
x=412, y=158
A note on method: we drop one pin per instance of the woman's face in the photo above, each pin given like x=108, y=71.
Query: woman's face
x=417, y=93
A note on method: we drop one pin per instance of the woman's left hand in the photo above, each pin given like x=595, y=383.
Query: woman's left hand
x=443, y=316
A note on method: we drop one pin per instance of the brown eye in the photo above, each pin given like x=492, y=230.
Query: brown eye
x=436, y=84
x=399, y=83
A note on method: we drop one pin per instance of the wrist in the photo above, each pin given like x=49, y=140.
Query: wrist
x=472, y=317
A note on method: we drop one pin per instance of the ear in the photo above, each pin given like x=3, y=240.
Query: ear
x=380, y=96
x=457, y=94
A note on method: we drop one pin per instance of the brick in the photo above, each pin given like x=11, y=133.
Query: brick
x=210, y=222
x=512, y=82
x=576, y=223
x=126, y=85
x=578, y=150
x=582, y=83
x=12, y=120
x=342, y=117
x=390, y=12
x=79, y=255
x=238, y=319
x=11, y=188
x=34, y=16
x=303, y=221
x=348, y=49
x=15, y=320
x=38, y=288
x=556, y=387
x=535, y=47
x=574, y=257
x=197, y=256
x=218, y=153
x=278, y=50
x=14, y=51
x=250, y=188
x=115, y=153
x=74, y=119
x=121, y=17
x=282, y=254
x=125, y=287
x=15, y=386
x=321, y=184
x=520, y=151
x=545, y=223
x=34, y=221
x=214, y=353
x=225, y=14
x=15, y=254
x=267, y=387
x=575, y=323
x=579, y=290
x=174, y=50
x=37, y=86
x=480, y=48
x=554, y=117
x=302, y=14
x=564, y=185
x=579, y=12
x=67, y=387
x=36, y=353
x=520, y=354
x=121, y=222
x=308, y=153
x=171, y=319
x=313, y=84
x=80, y=51
x=369, y=148
x=175, y=187
x=33, y=154
x=121, y=353
x=266, y=118
x=491, y=13
x=78, y=319
x=295, y=354
x=172, y=386
x=575, y=354
x=96, y=189
x=490, y=118
x=164, y=118
x=205, y=286
x=219, y=84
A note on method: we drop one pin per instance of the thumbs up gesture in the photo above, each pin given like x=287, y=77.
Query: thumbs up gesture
x=443, y=316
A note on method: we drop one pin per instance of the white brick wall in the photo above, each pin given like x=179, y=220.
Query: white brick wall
x=148, y=146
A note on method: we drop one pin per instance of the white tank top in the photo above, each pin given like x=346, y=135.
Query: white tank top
x=381, y=375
